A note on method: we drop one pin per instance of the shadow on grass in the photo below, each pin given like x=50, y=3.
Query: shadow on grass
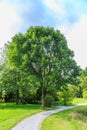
x=19, y=106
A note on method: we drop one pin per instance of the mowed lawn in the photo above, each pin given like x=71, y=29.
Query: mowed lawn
x=73, y=119
x=11, y=114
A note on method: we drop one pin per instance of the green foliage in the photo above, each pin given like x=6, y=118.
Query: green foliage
x=3, y=95
x=42, y=52
x=85, y=94
x=53, y=92
x=66, y=94
x=10, y=81
x=28, y=97
x=2, y=101
x=82, y=85
x=49, y=100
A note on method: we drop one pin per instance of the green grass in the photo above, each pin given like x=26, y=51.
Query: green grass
x=73, y=119
x=11, y=114
x=78, y=100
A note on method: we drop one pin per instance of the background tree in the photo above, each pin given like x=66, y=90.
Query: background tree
x=82, y=85
x=66, y=94
x=43, y=52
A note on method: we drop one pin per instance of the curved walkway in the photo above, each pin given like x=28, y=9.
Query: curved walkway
x=33, y=122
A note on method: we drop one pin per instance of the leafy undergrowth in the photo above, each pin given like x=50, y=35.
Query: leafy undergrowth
x=11, y=114
x=73, y=119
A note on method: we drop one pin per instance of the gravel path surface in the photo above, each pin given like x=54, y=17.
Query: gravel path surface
x=33, y=122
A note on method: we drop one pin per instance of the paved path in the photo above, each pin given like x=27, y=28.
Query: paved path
x=33, y=122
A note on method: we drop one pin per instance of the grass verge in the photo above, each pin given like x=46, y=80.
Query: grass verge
x=73, y=119
x=11, y=114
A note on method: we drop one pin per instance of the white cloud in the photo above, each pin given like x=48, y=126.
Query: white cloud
x=77, y=40
x=64, y=28
x=8, y=21
x=75, y=33
x=56, y=7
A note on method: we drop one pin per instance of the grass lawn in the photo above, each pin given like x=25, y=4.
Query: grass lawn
x=78, y=100
x=73, y=119
x=11, y=114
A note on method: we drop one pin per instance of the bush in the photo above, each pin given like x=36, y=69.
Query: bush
x=66, y=94
x=85, y=94
x=28, y=98
x=2, y=101
x=49, y=100
x=53, y=92
x=4, y=94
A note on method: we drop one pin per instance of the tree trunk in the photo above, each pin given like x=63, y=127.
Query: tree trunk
x=17, y=97
x=43, y=98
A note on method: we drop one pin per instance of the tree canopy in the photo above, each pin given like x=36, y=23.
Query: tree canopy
x=43, y=52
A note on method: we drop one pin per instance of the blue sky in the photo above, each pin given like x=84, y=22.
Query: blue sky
x=69, y=16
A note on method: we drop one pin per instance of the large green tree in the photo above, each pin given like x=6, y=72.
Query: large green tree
x=43, y=52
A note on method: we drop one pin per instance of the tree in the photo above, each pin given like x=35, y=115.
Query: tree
x=82, y=86
x=43, y=52
x=9, y=77
x=10, y=82
x=66, y=94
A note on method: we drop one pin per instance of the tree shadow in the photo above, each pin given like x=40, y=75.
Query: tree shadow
x=19, y=106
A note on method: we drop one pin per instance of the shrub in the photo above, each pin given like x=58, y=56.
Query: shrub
x=4, y=94
x=85, y=94
x=2, y=101
x=49, y=100
x=66, y=94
